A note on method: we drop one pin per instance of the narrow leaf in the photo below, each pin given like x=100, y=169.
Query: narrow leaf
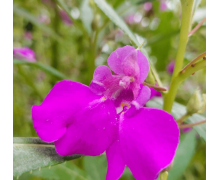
x=96, y=167
x=47, y=69
x=115, y=18
x=184, y=154
x=31, y=153
x=87, y=15
x=64, y=171
x=178, y=111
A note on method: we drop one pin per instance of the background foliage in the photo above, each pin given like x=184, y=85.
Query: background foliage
x=72, y=51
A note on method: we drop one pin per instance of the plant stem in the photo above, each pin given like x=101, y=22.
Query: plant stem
x=183, y=118
x=157, y=88
x=193, y=61
x=191, y=125
x=187, y=7
x=197, y=27
x=170, y=96
x=54, y=45
x=29, y=82
x=76, y=23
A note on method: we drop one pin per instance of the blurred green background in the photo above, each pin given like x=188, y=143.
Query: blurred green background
x=76, y=46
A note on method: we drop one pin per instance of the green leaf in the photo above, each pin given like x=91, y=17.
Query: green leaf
x=178, y=111
x=47, y=69
x=65, y=171
x=32, y=153
x=115, y=18
x=25, y=14
x=87, y=15
x=195, y=6
x=184, y=154
x=96, y=167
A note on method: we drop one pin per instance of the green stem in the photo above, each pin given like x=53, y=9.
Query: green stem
x=170, y=96
x=29, y=82
x=187, y=7
x=183, y=118
x=54, y=45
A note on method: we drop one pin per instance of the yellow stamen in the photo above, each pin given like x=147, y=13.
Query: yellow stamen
x=124, y=104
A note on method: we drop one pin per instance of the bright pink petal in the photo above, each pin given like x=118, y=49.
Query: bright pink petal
x=155, y=93
x=92, y=132
x=143, y=96
x=148, y=141
x=60, y=108
x=116, y=163
x=117, y=57
x=130, y=62
x=143, y=65
x=100, y=75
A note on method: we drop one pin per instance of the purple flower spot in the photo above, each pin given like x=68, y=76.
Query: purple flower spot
x=170, y=67
x=24, y=53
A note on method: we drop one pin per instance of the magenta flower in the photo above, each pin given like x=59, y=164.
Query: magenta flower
x=131, y=68
x=65, y=18
x=24, y=53
x=108, y=116
x=170, y=67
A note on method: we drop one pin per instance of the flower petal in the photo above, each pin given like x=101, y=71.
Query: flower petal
x=124, y=96
x=143, y=65
x=148, y=141
x=92, y=132
x=99, y=76
x=116, y=58
x=60, y=108
x=116, y=163
x=117, y=61
x=155, y=93
x=144, y=95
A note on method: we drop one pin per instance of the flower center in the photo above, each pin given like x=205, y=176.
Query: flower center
x=125, y=81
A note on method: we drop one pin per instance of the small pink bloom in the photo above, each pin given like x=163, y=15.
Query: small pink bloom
x=130, y=19
x=186, y=130
x=24, y=53
x=28, y=35
x=44, y=19
x=147, y=6
x=65, y=18
x=170, y=67
x=163, y=6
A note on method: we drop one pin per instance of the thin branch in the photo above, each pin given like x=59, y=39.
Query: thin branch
x=157, y=88
x=191, y=125
x=193, y=61
x=197, y=27
x=183, y=118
